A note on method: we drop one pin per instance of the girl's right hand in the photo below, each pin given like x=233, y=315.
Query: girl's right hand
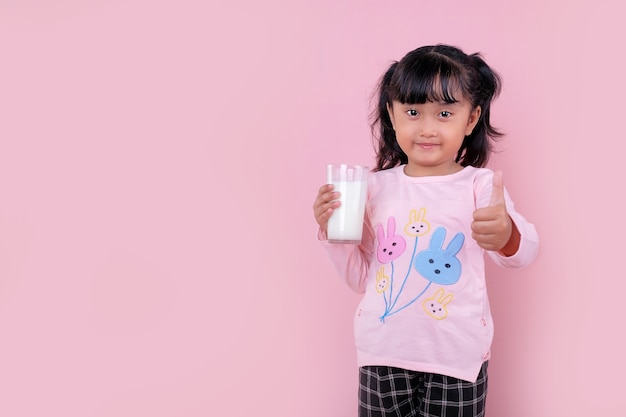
x=324, y=205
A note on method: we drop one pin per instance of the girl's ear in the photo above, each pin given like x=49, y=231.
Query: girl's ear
x=390, y=111
x=473, y=120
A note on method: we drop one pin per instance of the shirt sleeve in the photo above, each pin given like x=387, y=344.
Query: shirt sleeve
x=351, y=261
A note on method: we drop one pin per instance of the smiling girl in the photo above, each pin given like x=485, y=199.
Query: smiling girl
x=424, y=329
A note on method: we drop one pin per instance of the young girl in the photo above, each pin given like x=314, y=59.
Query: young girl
x=423, y=329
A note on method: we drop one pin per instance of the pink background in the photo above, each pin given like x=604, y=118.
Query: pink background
x=159, y=160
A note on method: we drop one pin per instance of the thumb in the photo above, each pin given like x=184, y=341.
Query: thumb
x=497, y=193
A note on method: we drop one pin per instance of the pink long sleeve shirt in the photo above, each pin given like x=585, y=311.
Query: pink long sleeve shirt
x=425, y=306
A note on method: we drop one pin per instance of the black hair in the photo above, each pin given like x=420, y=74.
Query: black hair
x=436, y=73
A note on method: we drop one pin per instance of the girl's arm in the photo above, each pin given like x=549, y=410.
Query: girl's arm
x=524, y=237
x=351, y=261
x=522, y=243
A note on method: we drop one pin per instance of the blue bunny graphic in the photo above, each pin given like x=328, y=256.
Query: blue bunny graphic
x=440, y=265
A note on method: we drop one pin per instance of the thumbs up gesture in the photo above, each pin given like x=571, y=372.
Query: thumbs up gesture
x=492, y=227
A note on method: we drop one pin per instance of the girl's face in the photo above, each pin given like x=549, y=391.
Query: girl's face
x=431, y=134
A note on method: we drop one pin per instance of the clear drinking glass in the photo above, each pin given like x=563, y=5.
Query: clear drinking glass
x=346, y=223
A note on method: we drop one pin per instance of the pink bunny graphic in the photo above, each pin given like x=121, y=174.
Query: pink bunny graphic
x=390, y=247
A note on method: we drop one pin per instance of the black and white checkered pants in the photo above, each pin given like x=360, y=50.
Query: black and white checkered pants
x=394, y=392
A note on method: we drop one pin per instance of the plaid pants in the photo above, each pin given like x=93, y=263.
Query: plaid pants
x=394, y=392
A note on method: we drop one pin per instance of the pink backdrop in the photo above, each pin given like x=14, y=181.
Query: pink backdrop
x=159, y=160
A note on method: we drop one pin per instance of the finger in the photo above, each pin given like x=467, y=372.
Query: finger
x=324, y=192
x=325, y=204
x=326, y=208
x=497, y=192
x=487, y=244
x=324, y=195
x=493, y=227
x=322, y=217
x=488, y=213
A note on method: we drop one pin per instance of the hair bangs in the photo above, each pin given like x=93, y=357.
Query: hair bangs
x=433, y=79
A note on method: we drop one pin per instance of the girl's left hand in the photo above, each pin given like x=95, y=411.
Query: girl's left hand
x=492, y=227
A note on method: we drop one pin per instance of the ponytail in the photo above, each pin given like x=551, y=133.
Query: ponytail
x=477, y=147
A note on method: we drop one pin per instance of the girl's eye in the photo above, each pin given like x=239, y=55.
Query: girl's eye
x=445, y=114
x=412, y=113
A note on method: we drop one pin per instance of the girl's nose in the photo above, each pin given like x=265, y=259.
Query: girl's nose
x=427, y=129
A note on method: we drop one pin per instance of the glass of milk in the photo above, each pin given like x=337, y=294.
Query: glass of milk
x=346, y=223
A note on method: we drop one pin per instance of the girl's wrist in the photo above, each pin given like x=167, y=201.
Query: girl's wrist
x=512, y=246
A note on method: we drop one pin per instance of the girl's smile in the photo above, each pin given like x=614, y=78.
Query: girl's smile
x=426, y=145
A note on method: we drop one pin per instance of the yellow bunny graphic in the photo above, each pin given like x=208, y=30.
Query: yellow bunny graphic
x=382, y=280
x=417, y=225
x=435, y=306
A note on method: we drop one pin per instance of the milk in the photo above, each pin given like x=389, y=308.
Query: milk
x=346, y=223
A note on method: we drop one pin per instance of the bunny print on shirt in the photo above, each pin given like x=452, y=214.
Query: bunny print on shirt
x=437, y=264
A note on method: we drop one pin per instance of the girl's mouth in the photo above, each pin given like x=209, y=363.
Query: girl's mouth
x=427, y=145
